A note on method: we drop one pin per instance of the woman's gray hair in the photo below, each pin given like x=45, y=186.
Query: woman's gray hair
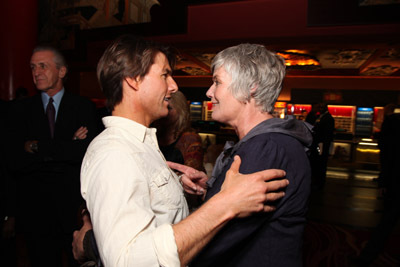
x=255, y=71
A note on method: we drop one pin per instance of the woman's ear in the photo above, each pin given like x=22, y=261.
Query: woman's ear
x=133, y=82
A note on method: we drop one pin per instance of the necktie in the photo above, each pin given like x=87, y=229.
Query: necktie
x=51, y=116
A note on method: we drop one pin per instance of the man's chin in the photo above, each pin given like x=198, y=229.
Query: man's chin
x=42, y=88
x=163, y=115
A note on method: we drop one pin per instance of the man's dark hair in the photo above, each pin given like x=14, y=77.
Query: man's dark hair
x=127, y=56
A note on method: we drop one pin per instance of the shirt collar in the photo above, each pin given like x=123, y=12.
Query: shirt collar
x=133, y=128
x=56, y=98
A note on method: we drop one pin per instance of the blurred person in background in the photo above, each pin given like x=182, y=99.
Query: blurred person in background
x=47, y=137
x=389, y=183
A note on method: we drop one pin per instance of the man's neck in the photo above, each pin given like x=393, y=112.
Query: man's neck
x=129, y=111
x=53, y=91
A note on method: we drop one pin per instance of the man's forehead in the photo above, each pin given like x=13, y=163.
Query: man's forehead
x=42, y=57
x=161, y=61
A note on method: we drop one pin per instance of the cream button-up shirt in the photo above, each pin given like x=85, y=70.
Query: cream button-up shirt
x=132, y=196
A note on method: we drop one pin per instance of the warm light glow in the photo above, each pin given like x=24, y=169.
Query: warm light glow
x=365, y=150
x=368, y=144
x=298, y=58
x=279, y=104
x=296, y=51
x=366, y=139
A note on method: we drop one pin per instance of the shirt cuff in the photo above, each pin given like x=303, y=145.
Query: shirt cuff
x=165, y=246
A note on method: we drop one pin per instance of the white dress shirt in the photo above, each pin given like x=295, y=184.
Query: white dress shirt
x=132, y=196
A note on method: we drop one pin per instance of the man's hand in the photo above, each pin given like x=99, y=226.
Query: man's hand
x=80, y=134
x=78, y=236
x=248, y=193
x=28, y=146
x=193, y=181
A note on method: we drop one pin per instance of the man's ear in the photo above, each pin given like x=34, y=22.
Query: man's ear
x=132, y=82
x=62, y=72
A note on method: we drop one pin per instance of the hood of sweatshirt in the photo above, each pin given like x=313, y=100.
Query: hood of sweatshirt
x=300, y=130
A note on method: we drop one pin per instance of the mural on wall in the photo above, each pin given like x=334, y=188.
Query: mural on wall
x=346, y=58
x=89, y=14
x=194, y=63
x=384, y=65
x=365, y=62
x=186, y=66
x=58, y=19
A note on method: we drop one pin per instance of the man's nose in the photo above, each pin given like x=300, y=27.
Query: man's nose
x=36, y=71
x=173, y=86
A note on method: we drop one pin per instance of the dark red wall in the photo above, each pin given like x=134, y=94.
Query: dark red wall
x=18, y=31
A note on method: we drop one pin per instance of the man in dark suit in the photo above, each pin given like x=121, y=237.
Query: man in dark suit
x=49, y=134
x=324, y=128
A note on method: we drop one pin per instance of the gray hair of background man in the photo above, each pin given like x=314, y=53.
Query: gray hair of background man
x=255, y=71
x=59, y=59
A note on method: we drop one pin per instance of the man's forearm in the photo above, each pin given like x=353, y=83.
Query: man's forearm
x=194, y=232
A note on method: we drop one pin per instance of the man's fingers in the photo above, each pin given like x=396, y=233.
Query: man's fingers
x=276, y=185
x=235, y=165
x=269, y=197
x=82, y=132
x=268, y=208
x=87, y=222
x=271, y=174
x=86, y=219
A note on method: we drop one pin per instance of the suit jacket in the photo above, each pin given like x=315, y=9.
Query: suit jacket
x=48, y=181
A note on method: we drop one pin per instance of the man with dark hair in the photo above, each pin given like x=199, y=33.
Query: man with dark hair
x=140, y=216
x=48, y=136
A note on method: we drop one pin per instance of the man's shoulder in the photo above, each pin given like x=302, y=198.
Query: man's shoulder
x=110, y=140
x=78, y=99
